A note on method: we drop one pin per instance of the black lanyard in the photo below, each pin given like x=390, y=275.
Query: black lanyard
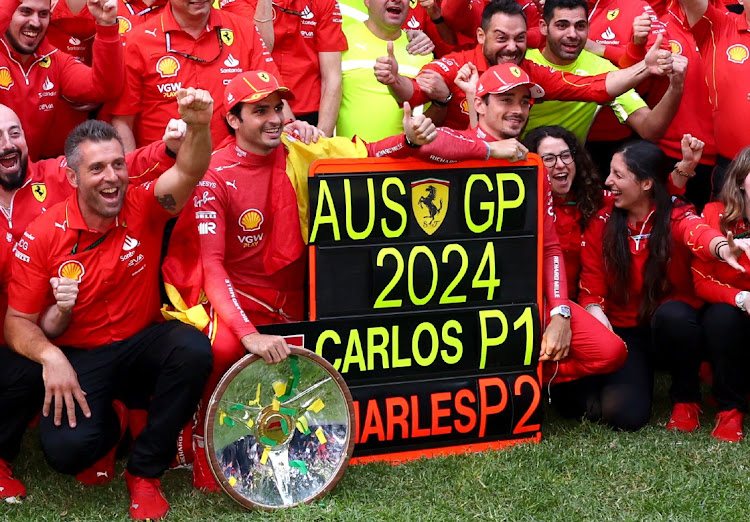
x=168, y=41
x=91, y=246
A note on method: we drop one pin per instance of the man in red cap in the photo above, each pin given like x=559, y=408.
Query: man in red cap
x=247, y=230
x=574, y=343
x=502, y=39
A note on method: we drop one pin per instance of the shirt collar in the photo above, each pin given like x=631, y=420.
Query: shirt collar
x=168, y=22
x=74, y=218
x=44, y=49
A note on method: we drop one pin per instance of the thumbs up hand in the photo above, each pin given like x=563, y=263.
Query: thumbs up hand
x=386, y=67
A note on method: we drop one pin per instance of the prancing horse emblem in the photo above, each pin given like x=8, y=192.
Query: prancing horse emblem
x=429, y=199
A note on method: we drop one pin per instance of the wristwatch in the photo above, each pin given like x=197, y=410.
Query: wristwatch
x=562, y=310
x=739, y=300
x=444, y=103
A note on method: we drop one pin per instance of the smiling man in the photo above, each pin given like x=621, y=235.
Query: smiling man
x=367, y=108
x=34, y=75
x=502, y=39
x=246, y=230
x=106, y=237
x=566, y=27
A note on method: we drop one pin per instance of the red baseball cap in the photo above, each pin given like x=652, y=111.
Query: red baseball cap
x=251, y=87
x=504, y=77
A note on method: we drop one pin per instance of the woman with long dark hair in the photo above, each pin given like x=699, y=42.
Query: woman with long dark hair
x=726, y=320
x=577, y=194
x=635, y=277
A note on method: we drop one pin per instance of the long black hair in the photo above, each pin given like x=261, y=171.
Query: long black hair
x=646, y=161
x=587, y=185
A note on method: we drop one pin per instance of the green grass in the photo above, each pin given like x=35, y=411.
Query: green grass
x=580, y=471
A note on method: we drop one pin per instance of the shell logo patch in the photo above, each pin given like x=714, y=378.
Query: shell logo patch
x=6, y=80
x=737, y=53
x=123, y=25
x=167, y=67
x=251, y=220
x=675, y=47
x=72, y=270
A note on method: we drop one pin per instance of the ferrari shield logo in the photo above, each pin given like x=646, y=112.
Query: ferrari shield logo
x=227, y=36
x=264, y=76
x=429, y=200
x=611, y=15
x=40, y=191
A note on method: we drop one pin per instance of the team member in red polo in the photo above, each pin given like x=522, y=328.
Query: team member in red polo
x=108, y=239
x=28, y=189
x=188, y=44
x=502, y=39
x=34, y=75
x=306, y=47
x=247, y=244
x=723, y=39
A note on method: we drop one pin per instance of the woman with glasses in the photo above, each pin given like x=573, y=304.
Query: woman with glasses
x=726, y=320
x=635, y=276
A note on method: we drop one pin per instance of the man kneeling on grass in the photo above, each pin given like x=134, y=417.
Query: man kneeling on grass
x=105, y=241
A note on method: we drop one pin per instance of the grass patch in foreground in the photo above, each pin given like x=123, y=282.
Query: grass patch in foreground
x=580, y=471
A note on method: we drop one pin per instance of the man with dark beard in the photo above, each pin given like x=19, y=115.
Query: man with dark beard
x=502, y=39
x=34, y=75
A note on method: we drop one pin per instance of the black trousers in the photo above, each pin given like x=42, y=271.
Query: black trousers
x=727, y=330
x=21, y=396
x=169, y=362
x=623, y=399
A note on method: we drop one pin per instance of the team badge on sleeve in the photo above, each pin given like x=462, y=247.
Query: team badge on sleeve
x=429, y=201
x=40, y=191
x=72, y=270
x=227, y=36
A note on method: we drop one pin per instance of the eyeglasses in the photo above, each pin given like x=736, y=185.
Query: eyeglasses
x=550, y=160
x=191, y=56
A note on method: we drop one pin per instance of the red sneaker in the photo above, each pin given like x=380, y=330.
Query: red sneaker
x=147, y=501
x=203, y=479
x=685, y=417
x=11, y=489
x=729, y=426
x=103, y=470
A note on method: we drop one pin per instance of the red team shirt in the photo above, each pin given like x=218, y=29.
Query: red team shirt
x=118, y=291
x=715, y=281
x=691, y=237
x=557, y=85
x=33, y=90
x=153, y=75
x=724, y=42
x=298, y=38
x=47, y=185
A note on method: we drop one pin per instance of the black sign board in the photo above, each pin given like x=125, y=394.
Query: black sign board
x=424, y=289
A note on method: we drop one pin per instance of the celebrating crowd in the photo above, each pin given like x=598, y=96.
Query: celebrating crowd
x=117, y=116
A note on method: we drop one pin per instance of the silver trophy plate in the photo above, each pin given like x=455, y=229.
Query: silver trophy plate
x=279, y=435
